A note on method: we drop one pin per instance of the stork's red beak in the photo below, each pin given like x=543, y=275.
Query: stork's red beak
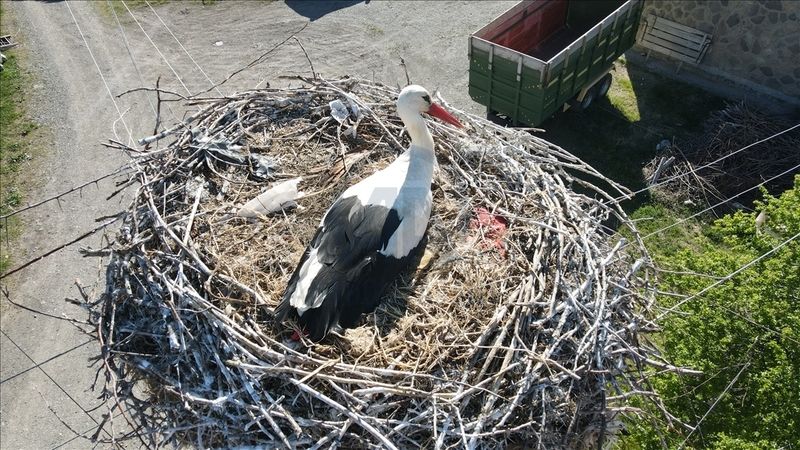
x=442, y=114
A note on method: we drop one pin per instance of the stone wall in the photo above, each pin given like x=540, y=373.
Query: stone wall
x=754, y=43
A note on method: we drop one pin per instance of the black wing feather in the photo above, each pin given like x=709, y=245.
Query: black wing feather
x=354, y=273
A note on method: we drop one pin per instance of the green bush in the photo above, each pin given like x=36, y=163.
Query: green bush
x=750, y=323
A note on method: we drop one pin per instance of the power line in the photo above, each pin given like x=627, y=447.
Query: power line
x=184, y=49
x=678, y=222
x=760, y=325
x=728, y=155
x=726, y=278
x=39, y=366
x=60, y=247
x=687, y=272
x=100, y=72
x=114, y=172
x=130, y=53
x=722, y=202
x=260, y=59
x=156, y=47
x=136, y=66
x=714, y=405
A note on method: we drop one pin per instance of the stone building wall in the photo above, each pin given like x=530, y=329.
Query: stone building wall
x=754, y=42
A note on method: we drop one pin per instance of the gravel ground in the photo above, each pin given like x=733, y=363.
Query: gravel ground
x=45, y=378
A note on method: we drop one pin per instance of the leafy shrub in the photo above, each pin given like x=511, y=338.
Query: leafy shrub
x=748, y=324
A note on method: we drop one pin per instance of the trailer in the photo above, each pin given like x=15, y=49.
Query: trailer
x=542, y=56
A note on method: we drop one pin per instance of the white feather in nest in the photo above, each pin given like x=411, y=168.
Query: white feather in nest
x=279, y=196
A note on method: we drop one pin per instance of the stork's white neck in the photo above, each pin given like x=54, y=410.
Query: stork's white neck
x=421, y=139
x=409, y=176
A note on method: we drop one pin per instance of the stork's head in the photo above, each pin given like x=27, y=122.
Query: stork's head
x=416, y=100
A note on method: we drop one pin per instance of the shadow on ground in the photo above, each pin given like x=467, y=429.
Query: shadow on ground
x=314, y=10
x=619, y=133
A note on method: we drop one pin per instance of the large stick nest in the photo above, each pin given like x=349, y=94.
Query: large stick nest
x=520, y=324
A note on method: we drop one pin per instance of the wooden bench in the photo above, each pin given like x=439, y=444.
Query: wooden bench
x=683, y=43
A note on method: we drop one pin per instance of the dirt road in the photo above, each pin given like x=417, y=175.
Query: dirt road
x=45, y=397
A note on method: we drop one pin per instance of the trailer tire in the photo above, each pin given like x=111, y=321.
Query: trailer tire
x=588, y=99
x=604, y=85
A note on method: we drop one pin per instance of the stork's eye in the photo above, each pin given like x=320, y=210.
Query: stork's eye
x=427, y=98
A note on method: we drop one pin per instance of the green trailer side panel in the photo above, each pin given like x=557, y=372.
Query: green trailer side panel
x=505, y=69
x=584, y=61
x=497, y=87
x=479, y=77
x=479, y=62
x=624, y=32
x=531, y=97
x=630, y=28
x=504, y=90
x=628, y=36
x=506, y=102
x=598, y=63
x=531, y=78
x=566, y=85
x=504, y=87
x=551, y=88
x=531, y=106
x=479, y=88
x=613, y=40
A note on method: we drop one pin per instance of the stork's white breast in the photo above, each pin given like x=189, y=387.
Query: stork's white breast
x=405, y=186
x=414, y=214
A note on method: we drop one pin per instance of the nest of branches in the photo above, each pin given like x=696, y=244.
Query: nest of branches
x=523, y=322
x=731, y=131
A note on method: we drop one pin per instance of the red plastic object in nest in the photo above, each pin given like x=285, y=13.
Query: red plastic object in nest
x=492, y=226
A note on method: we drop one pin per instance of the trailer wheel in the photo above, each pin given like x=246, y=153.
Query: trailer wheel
x=604, y=85
x=587, y=99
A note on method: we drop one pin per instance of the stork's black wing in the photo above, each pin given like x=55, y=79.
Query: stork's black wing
x=353, y=273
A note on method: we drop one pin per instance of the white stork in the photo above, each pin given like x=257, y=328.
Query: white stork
x=366, y=237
